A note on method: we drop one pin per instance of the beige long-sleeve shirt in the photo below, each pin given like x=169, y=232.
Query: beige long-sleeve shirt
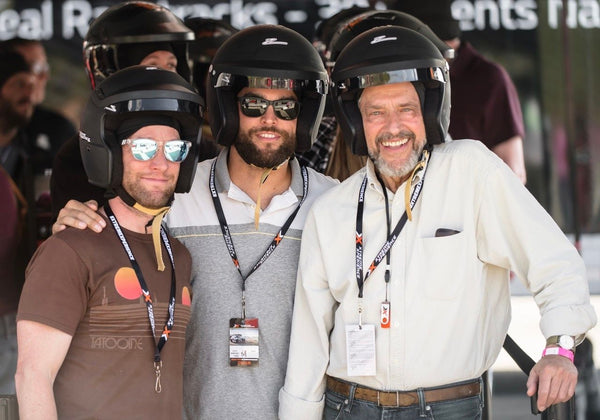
x=450, y=297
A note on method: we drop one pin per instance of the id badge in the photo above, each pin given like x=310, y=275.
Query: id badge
x=243, y=341
x=360, y=350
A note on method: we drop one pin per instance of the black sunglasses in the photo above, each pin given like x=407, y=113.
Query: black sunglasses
x=254, y=106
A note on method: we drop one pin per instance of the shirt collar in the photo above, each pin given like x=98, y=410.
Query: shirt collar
x=223, y=180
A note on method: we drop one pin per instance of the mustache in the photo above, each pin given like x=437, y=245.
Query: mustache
x=399, y=135
x=267, y=129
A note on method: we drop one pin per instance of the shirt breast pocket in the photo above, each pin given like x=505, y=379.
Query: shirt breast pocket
x=444, y=265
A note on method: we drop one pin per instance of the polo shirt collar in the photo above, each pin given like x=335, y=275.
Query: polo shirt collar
x=223, y=180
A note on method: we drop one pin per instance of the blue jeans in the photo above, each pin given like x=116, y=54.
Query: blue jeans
x=339, y=407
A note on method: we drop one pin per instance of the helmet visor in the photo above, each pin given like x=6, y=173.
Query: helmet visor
x=155, y=104
x=395, y=76
x=228, y=79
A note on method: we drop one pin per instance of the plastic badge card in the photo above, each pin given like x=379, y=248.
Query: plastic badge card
x=360, y=350
x=243, y=341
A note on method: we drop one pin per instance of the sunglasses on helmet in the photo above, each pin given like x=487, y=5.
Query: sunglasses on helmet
x=254, y=106
x=145, y=149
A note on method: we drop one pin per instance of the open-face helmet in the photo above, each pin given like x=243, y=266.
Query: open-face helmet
x=271, y=57
x=348, y=30
x=386, y=55
x=326, y=29
x=144, y=96
x=127, y=32
x=210, y=34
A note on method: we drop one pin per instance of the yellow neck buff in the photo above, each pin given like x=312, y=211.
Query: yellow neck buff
x=158, y=214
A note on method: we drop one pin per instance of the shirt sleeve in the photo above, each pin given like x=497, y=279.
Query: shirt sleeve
x=55, y=292
x=503, y=118
x=515, y=232
x=314, y=306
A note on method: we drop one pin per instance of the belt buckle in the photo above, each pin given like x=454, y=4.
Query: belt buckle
x=387, y=392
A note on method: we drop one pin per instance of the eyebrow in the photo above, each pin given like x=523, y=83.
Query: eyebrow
x=378, y=105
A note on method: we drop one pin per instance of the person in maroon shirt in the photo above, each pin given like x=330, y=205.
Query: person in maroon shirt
x=485, y=103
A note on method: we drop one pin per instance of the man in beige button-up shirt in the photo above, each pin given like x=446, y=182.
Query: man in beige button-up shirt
x=432, y=316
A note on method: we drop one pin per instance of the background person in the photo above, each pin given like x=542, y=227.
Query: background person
x=102, y=319
x=209, y=35
x=47, y=129
x=10, y=230
x=412, y=336
x=485, y=103
x=125, y=34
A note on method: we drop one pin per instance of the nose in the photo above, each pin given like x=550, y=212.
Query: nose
x=159, y=161
x=269, y=116
x=394, y=121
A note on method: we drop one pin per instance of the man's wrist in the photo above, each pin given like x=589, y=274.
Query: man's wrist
x=565, y=341
x=559, y=351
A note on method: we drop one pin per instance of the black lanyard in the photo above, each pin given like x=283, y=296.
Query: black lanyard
x=227, y=235
x=391, y=237
x=147, y=298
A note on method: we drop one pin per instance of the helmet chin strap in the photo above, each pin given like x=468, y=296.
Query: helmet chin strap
x=263, y=179
x=158, y=215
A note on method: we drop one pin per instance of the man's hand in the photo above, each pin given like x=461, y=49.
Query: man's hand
x=553, y=378
x=80, y=216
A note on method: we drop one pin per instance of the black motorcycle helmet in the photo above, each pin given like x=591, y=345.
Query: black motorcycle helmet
x=126, y=32
x=374, y=18
x=136, y=92
x=266, y=56
x=385, y=55
x=326, y=29
x=210, y=34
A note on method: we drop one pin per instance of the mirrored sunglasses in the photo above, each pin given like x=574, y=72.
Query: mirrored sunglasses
x=145, y=149
x=285, y=109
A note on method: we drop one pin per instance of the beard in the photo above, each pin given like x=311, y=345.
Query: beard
x=151, y=199
x=16, y=118
x=269, y=157
x=404, y=168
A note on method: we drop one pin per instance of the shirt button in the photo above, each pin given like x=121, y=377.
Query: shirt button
x=396, y=324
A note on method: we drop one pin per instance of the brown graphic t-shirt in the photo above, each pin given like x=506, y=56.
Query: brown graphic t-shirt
x=82, y=283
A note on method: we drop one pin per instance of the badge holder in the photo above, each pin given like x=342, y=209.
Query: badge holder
x=243, y=340
x=360, y=348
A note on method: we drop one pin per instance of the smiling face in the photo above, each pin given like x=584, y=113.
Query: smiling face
x=266, y=141
x=394, y=130
x=152, y=182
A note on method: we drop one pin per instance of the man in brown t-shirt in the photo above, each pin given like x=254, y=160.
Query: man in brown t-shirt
x=102, y=319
